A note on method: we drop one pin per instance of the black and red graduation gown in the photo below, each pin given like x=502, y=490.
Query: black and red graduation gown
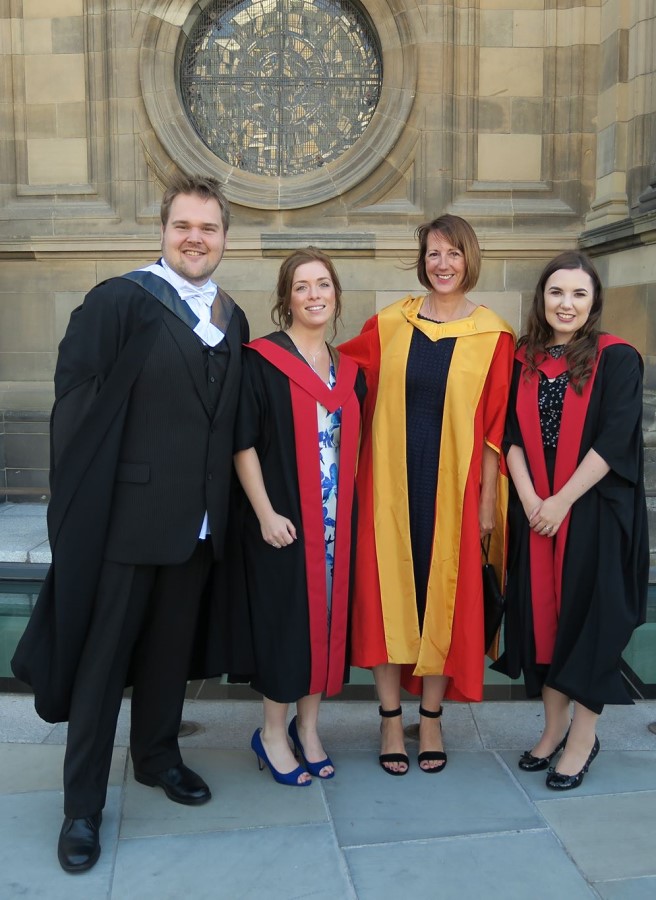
x=573, y=601
x=297, y=651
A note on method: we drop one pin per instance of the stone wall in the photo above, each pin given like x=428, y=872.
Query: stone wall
x=534, y=119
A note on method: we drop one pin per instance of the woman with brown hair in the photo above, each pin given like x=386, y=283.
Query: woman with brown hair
x=579, y=553
x=296, y=445
x=429, y=488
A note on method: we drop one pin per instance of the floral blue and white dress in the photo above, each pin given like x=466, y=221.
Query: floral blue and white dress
x=329, y=428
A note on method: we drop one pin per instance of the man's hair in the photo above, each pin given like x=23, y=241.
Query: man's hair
x=205, y=187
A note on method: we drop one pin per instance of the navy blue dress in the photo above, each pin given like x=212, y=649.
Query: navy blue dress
x=426, y=376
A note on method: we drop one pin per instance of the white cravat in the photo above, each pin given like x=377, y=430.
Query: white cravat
x=198, y=299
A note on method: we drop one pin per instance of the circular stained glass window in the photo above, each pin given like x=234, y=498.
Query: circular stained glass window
x=281, y=87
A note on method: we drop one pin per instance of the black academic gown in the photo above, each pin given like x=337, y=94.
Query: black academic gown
x=277, y=579
x=606, y=561
x=120, y=332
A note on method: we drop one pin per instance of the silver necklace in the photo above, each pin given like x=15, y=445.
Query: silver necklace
x=307, y=356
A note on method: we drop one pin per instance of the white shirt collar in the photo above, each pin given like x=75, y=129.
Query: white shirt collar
x=205, y=293
x=198, y=298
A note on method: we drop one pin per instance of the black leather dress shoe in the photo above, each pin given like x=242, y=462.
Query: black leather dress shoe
x=179, y=784
x=79, y=843
x=559, y=782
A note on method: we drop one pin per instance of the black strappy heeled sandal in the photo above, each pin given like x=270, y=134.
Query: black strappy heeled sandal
x=392, y=757
x=432, y=755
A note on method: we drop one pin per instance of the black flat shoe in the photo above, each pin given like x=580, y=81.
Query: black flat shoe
x=179, y=784
x=385, y=758
x=432, y=755
x=558, y=782
x=530, y=763
x=79, y=843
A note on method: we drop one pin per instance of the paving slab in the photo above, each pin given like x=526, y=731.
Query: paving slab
x=627, y=889
x=223, y=724
x=502, y=724
x=242, y=797
x=229, y=724
x=518, y=724
x=38, y=767
x=353, y=725
x=22, y=510
x=19, y=722
x=612, y=772
x=625, y=727
x=369, y=807
x=273, y=863
x=19, y=535
x=481, y=828
x=41, y=554
x=28, y=851
x=458, y=726
x=607, y=837
x=496, y=867
x=122, y=737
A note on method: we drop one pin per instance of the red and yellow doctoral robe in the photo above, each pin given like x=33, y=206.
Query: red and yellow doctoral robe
x=385, y=625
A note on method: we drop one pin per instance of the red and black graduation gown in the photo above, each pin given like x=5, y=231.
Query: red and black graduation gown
x=296, y=652
x=573, y=601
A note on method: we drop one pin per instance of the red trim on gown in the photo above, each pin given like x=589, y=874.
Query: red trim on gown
x=369, y=647
x=328, y=652
x=547, y=554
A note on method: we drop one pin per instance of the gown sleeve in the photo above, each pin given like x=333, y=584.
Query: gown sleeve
x=364, y=348
x=619, y=437
x=497, y=388
x=87, y=354
x=512, y=434
x=248, y=424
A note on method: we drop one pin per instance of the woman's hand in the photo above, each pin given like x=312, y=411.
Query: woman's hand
x=487, y=504
x=549, y=517
x=486, y=515
x=530, y=499
x=531, y=504
x=277, y=530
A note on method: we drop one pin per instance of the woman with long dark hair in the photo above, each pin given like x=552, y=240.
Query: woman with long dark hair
x=579, y=552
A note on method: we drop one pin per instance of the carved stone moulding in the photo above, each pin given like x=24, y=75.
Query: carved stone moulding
x=174, y=142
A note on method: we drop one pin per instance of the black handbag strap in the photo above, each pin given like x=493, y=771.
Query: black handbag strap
x=485, y=546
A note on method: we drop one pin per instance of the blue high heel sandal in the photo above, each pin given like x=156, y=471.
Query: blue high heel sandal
x=314, y=768
x=290, y=778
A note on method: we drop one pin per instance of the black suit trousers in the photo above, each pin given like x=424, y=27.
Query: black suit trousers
x=143, y=627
